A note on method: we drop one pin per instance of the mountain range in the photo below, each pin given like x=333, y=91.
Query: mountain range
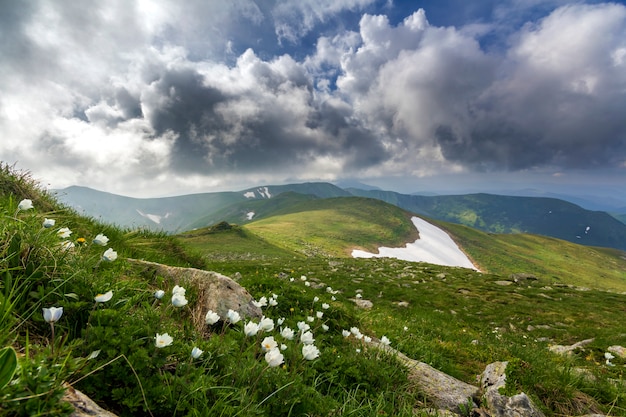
x=487, y=212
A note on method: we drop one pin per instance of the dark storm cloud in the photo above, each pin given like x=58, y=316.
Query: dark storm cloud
x=210, y=131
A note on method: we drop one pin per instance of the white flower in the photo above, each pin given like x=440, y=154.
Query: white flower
x=268, y=344
x=48, y=223
x=310, y=352
x=163, y=340
x=307, y=338
x=325, y=306
x=280, y=321
x=316, y=299
x=251, y=329
x=292, y=279
x=287, y=333
x=273, y=302
x=266, y=324
x=93, y=355
x=367, y=339
x=211, y=317
x=67, y=245
x=303, y=277
x=345, y=333
x=319, y=314
x=354, y=330
x=52, y=314
x=179, y=300
x=158, y=294
x=25, y=204
x=406, y=328
x=329, y=289
x=359, y=295
x=333, y=298
x=64, y=232
x=109, y=255
x=385, y=341
x=100, y=240
x=274, y=296
x=303, y=327
x=196, y=352
x=261, y=303
x=307, y=284
x=358, y=350
x=359, y=336
x=283, y=346
x=325, y=327
x=310, y=319
x=274, y=358
x=608, y=355
x=233, y=316
x=103, y=298
x=178, y=290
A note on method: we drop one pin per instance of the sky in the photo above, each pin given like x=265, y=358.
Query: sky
x=150, y=98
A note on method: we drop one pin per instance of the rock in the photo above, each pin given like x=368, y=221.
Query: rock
x=562, y=350
x=361, y=303
x=442, y=390
x=498, y=405
x=83, y=405
x=523, y=276
x=618, y=350
x=216, y=292
x=503, y=283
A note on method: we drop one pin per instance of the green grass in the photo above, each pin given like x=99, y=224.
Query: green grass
x=454, y=319
x=336, y=226
x=231, y=242
x=551, y=260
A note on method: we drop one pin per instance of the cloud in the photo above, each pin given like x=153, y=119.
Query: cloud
x=557, y=97
x=192, y=94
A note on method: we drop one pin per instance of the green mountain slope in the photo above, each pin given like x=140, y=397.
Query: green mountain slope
x=552, y=260
x=252, y=209
x=506, y=214
x=169, y=214
x=335, y=226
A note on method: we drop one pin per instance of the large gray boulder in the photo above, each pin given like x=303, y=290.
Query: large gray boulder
x=216, y=292
x=442, y=390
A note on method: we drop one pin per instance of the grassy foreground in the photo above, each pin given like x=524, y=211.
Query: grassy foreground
x=112, y=345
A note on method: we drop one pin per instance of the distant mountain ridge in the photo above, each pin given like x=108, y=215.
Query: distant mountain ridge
x=487, y=212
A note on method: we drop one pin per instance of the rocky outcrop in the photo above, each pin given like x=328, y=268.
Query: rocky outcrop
x=83, y=405
x=442, y=390
x=568, y=349
x=216, y=292
x=499, y=405
x=620, y=351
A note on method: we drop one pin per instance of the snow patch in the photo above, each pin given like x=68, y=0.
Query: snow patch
x=250, y=215
x=249, y=194
x=265, y=192
x=153, y=217
x=434, y=246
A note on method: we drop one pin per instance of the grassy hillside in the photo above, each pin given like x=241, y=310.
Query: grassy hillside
x=224, y=241
x=168, y=214
x=553, y=260
x=333, y=227
x=509, y=214
x=109, y=340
